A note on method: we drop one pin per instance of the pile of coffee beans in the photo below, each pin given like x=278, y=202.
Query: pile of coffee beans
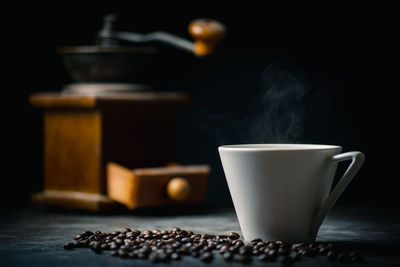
x=162, y=246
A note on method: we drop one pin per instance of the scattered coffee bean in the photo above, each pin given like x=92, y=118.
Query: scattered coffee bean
x=206, y=256
x=241, y=258
x=175, y=256
x=185, y=239
x=162, y=246
x=69, y=246
x=176, y=230
x=272, y=253
x=265, y=257
x=245, y=250
x=331, y=255
x=227, y=256
x=238, y=242
x=283, y=251
x=233, y=236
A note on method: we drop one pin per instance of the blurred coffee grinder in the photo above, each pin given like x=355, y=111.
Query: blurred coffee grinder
x=109, y=137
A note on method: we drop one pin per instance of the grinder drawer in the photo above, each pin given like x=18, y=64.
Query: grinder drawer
x=149, y=187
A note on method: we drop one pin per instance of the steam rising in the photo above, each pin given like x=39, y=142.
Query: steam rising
x=274, y=115
x=278, y=112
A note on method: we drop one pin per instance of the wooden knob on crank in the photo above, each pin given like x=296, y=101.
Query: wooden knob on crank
x=178, y=189
x=206, y=33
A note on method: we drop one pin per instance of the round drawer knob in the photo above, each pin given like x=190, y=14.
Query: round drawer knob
x=178, y=189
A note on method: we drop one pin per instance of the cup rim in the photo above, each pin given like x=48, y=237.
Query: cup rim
x=277, y=147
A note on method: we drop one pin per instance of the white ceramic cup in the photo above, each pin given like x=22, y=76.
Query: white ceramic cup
x=282, y=191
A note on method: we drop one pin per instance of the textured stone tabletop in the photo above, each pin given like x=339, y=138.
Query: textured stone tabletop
x=35, y=237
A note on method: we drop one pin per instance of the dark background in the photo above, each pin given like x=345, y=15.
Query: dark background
x=345, y=56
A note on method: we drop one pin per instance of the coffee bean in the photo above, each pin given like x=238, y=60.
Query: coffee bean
x=145, y=249
x=207, y=236
x=87, y=233
x=195, y=236
x=176, y=229
x=294, y=256
x=233, y=236
x=331, y=255
x=177, y=237
x=241, y=258
x=272, y=253
x=153, y=257
x=263, y=257
x=212, y=245
x=185, y=239
x=113, y=246
x=183, y=251
x=147, y=232
x=114, y=253
x=69, y=246
x=129, y=235
x=184, y=233
x=297, y=245
x=123, y=253
x=255, y=252
x=233, y=248
x=224, y=249
x=82, y=243
x=227, y=256
x=245, y=250
x=281, y=243
x=238, y=242
x=283, y=251
x=205, y=248
x=206, y=256
x=176, y=244
x=141, y=255
x=136, y=232
x=156, y=235
x=147, y=236
x=323, y=250
x=95, y=244
x=175, y=256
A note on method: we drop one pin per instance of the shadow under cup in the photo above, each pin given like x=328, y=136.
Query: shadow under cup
x=282, y=191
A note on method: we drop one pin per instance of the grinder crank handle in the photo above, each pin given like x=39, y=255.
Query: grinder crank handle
x=206, y=33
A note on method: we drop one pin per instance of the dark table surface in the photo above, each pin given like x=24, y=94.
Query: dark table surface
x=35, y=237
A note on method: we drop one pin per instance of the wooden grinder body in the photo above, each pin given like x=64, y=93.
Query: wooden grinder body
x=83, y=133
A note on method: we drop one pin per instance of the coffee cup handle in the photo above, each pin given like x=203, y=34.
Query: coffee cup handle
x=357, y=159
